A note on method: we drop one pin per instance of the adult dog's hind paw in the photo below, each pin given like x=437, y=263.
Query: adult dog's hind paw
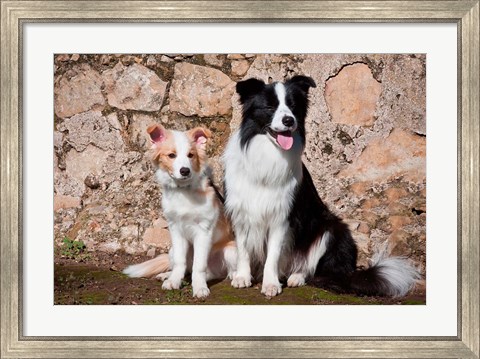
x=296, y=280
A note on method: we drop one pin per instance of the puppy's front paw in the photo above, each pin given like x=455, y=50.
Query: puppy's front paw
x=171, y=284
x=201, y=292
x=271, y=290
x=296, y=280
x=240, y=281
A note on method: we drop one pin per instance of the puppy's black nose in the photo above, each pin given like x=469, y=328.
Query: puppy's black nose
x=288, y=121
x=184, y=171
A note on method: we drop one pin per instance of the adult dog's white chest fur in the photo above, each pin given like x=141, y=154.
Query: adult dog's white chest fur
x=260, y=184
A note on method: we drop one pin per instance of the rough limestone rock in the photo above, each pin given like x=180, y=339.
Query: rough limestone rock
x=62, y=202
x=92, y=128
x=201, y=91
x=124, y=166
x=138, y=130
x=214, y=59
x=129, y=232
x=352, y=95
x=134, y=87
x=158, y=237
x=77, y=91
x=109, y=247
x=66, y=185
x=89, y=139
x=82, y=164
x=400, y=154
x=240, y=67
x=235, y=56
x=403, y=98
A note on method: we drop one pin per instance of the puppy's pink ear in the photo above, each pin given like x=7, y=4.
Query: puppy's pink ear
x=199, y=136
x=157, y=133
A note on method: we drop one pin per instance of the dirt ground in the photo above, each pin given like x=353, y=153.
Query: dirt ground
x=95, y=279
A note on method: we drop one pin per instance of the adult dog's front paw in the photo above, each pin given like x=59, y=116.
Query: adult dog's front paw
x=271, y=290
x=240, y=281
x=201, y=292
x=170, y=284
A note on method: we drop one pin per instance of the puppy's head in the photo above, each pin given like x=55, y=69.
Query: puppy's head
x=276, y=110
x=180, y=155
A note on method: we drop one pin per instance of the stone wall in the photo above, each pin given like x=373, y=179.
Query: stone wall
x=365, y=142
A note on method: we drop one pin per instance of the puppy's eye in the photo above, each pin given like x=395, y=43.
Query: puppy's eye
x=172, y=155
x=190, y=155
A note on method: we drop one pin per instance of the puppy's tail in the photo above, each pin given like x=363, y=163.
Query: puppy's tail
x=149, y=268
x=387, y=276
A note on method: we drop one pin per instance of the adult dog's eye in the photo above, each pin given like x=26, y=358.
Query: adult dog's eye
x=172, y=155
x=190, y=155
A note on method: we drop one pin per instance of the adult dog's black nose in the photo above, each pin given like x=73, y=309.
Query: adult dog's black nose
x=288, y=121
x=184, y=171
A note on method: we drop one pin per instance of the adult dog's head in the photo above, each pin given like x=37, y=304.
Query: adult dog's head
x=276, y=110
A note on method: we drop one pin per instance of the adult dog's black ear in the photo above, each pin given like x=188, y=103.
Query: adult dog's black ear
x=248, y=88
x=304, y=82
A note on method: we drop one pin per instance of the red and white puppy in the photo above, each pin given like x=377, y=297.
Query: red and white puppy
x=193, y=209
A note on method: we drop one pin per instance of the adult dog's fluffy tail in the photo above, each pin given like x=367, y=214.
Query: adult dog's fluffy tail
x=387, y=276
x=150, y=268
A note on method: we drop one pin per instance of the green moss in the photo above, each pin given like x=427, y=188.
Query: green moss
x=224, y=293
x=152, y=302
x=93, y=298
x=324, y=297
x=107, y=275
x=233, y=300
x=84, y=284
x=414, y=302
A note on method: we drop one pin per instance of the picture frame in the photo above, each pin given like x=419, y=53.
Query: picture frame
x=465, y=14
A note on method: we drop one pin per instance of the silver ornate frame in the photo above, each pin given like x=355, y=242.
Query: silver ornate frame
x=463, y=13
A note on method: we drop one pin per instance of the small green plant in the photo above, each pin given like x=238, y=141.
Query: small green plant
x=73, y=249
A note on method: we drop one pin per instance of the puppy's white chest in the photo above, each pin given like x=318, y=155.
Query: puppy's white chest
x=188, y=207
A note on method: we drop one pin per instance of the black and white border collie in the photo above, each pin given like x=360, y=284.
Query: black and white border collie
x=282, y=227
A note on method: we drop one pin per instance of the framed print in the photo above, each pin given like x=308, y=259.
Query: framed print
x=56, y=52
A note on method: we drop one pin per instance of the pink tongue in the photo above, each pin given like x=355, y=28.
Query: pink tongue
x=285, y=140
